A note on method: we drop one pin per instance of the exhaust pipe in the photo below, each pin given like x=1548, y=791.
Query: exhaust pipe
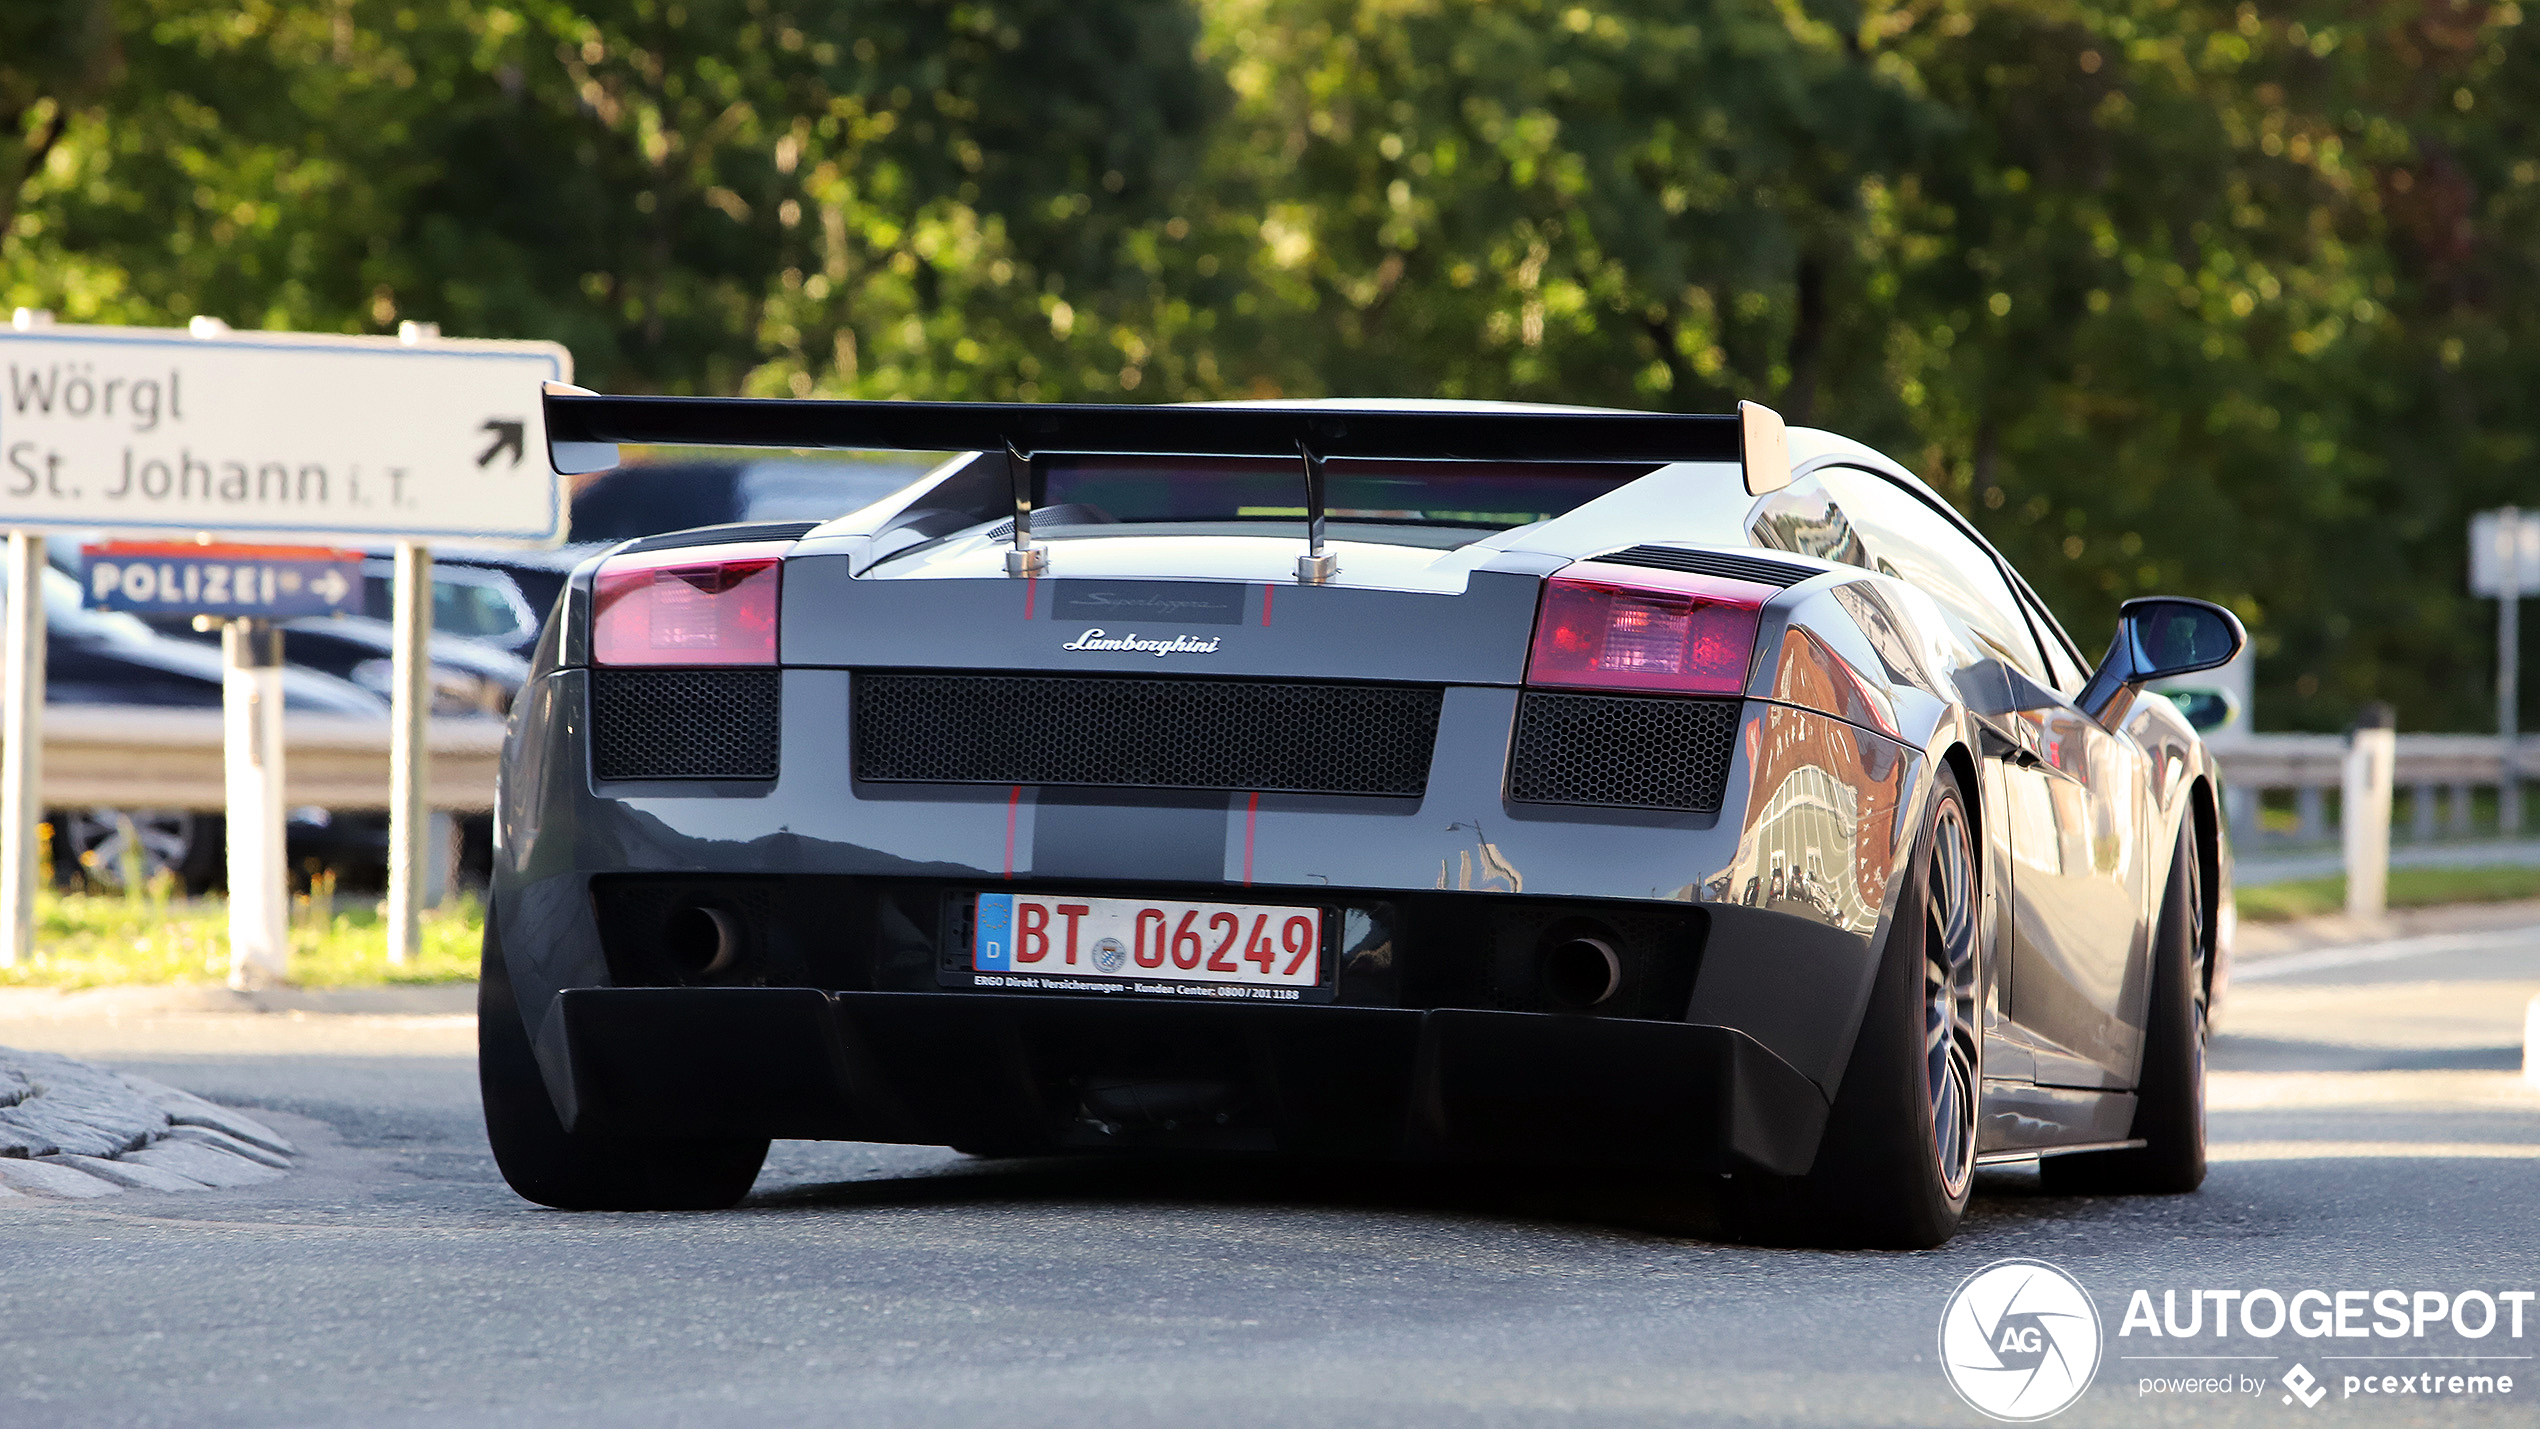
x=703, y=942
x=1581, y=972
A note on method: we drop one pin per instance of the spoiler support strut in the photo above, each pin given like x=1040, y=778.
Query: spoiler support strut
x=1316, y=565
x=1025, y=559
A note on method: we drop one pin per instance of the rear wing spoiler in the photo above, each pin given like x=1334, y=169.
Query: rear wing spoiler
x=585, y=428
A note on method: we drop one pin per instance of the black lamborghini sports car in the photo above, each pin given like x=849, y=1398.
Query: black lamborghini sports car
x=1417, y=781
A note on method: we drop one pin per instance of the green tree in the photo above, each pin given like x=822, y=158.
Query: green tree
x=2170, y=297
x=2169, y=294
x=55, y=55
x=1640, y=202
x=682, y=191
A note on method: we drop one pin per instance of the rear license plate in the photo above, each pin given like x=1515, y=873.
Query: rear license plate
x=1146, y=945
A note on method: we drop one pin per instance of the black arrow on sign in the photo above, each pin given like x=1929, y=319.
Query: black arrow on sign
x=512, y=434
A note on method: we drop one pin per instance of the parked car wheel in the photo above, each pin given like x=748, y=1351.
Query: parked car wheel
x=102, y=848
x=580, y=1170
x=2169, y=1114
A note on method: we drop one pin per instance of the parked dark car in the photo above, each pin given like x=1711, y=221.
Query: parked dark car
x=1443, y=782
x=101, y=657
x=480, y=632
x=95, y=657
x=469, y=602
x=650, y=498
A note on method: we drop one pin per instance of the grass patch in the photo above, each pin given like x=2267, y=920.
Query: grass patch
x=148, y=938
x=2409, y=888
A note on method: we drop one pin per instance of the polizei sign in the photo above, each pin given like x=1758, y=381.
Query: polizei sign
x=231, y=582
x=277, y=435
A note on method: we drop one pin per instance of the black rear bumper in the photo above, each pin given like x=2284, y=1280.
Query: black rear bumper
x=1043, y=1073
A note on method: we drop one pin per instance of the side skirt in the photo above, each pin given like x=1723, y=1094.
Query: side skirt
x=2013, y=1158
x=2021, y=1120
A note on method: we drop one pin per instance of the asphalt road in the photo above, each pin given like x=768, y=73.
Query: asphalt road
x=2371, y=1132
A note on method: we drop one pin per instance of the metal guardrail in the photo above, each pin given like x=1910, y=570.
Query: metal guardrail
x=2441, y=773
x=118, y=756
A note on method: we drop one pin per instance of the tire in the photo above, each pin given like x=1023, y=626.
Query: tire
x=2169, y=1111
x=580, y=1170
x=96, y=846
x=1898, y=1159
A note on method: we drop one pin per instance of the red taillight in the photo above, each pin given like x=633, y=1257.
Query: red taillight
x=1645, y=630
x=687, y=607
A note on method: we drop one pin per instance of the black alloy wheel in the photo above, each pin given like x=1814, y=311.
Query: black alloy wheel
x=107, y=849
x=1952, y=1034
x=1897, y=1162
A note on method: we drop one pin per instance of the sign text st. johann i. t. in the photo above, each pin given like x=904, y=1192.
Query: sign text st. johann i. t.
x=214, y=434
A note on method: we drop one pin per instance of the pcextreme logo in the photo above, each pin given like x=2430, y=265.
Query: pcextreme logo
x=2019, y=1340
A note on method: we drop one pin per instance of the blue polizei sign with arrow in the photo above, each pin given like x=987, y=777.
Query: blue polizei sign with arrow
x=231, y=582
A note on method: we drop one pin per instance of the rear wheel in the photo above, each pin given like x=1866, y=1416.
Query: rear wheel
x=1898, y=1159
x=2169, y=1109
x=581, y=1170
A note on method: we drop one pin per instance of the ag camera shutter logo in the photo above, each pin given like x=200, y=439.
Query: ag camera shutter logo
x=2019, y=1340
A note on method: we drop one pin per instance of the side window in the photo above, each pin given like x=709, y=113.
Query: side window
x=467, y=608
x=2069, y=674
x=1803, y=519
x=1917, y=545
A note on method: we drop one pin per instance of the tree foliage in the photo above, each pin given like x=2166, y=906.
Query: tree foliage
x=2170, y=294
x=55, y=55
x=683, y=191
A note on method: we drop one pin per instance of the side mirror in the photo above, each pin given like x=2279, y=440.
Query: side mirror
x=2157, y=638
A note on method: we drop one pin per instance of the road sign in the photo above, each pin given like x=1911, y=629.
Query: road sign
x=233, y=582
x=2504, y=562
x=277, y=434
x=2492, y=536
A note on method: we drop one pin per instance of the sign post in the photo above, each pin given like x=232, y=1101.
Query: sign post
x=2504, y=562
x=2364, y=821
x=251, y=730
x=203, y=432
x=22, y=747
x=409, y=756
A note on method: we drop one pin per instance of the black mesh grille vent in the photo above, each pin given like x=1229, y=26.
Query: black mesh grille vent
x=1154, y=734
x=1624, y=750
x=684, y=724
x=1711, y=563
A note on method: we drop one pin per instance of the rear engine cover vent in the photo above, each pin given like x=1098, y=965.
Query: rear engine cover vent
x=684, y=724
x=1711, y=563
x=1629, y=751
x=1124, y=732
